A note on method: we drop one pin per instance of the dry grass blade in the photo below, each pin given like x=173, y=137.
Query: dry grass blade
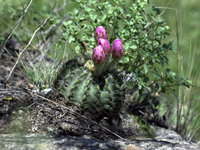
x=19, y=56
x=156, y=17
x=149, y=23
x=187, y=116
x=1, y=50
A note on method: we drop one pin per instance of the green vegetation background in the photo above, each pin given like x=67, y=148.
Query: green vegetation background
x=189, y=32
x=183, y=18
x=188, y=19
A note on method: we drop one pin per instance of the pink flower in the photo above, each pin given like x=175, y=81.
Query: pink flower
x=98, y=55
x=106, y=47
x=117, y=48
x=100, y=33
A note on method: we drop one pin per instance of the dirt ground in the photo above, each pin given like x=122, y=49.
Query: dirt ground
x=51, y=115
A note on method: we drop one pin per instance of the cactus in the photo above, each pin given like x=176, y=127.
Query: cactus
x=99, y=95
x=92, y=85
x=98, y=58
x=117, y=53
x=100, y=33
x=106, y=47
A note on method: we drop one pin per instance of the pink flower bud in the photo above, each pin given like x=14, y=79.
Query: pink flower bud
x=100, y=33
x=117, y=48
x=106, y=47
x=98, y=55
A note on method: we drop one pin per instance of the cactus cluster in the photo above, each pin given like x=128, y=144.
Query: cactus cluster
x=97, y=91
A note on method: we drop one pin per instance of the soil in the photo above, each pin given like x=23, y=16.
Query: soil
x=48, y=114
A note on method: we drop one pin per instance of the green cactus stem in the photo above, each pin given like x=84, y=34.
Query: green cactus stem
x=113, y=63
x=99, y=95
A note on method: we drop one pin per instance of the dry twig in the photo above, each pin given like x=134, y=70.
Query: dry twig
x=156, y=17
x=30, y=42
x=149, y=23
x=1, y=50
x=72, y=111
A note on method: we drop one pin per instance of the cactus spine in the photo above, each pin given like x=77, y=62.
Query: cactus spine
x=94, y=88
x=101, y=97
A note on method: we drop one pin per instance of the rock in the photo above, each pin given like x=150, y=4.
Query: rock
x=66, y=142
x=131, y=147
x=15, y=134
x=167, y=135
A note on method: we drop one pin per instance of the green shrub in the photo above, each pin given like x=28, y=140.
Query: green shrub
x=143, y=46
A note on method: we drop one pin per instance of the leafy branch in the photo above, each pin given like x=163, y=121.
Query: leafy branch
x=141, y=34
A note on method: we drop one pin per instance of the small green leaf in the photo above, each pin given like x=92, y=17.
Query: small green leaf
x=155, y=75
x=71, y=38
x=70, y=13
x=145, y=69
x=75, y=11
x=69, y=22
x=124, y=60
x=146, y=79
x=158, y=40
x=139, y=87
x=128, y=15
x=110, y=11
x=185, y=85
x=158, y=86
x=166, y=72
x=77, y=48
x=121, y=68
x=163, y=90
x=148, y=88
x=133, y=47
x=130, y=68
x=130, y=85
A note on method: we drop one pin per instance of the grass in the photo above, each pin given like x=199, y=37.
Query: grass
x=40, y=73
x=42, y=70
x=187, y=15
x=188, y=104
x=183, y=19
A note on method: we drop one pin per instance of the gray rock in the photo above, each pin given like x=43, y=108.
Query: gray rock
x=165, y=139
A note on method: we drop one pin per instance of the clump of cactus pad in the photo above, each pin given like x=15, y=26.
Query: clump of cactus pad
x=96, y=91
